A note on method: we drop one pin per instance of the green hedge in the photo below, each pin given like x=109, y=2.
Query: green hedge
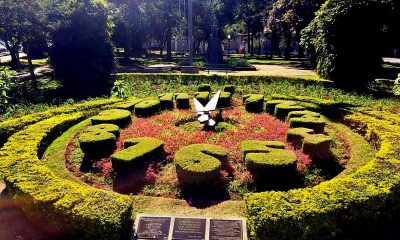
x=111, y=128
x=119, y=117
x=199, y=164
x=254, y=102
x=231, y=79
x=136, y=151
x=307, y=119
x=230, y=89
x=129, y=104
x=147, y=108
x=76, y=210
x=225, y=100
x=203, y=97
x=283, y=109
x=204, y=88
x=7, y=128
x=166, y=101
x=182, y=100
x=97, y=143
x=340, y=207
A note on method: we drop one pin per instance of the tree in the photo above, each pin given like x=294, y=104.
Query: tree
x=22, y=22
x=349, y=38
x=82, y=52
x=289, y=17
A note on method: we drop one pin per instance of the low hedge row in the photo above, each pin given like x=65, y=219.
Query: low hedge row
x=199, y=164
x=307, y=119
x=136, y=151
x=76, y=210
x=339, y=207
x=269, y=159
x=147, y=108
x=197, y=79
x=119, y=117
x=7, y=128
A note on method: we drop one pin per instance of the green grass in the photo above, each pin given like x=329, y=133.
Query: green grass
x=35, y=62
x=54, y=157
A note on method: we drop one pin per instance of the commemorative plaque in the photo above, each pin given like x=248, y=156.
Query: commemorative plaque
x=189, y=229
x=153, y=227
x=221, y=229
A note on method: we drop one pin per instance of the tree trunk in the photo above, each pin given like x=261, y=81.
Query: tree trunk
x=162, y=48
x=288, y=46
x=259, y=47
x=127, y=51
x=15, y=62
x=30, y=66
x=252, y=45
x=248, y=39
x=169, y=45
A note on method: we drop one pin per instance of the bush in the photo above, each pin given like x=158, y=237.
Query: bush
x=166, y=101
x=147, y=108
x=84, y=60
x=296, y=136
x=307, y=119
x=7, y=128
x=203, y=97
x=254, y=146
x=317, y=146
x=119, y=117
x=225, y=100
x=111, y=128
x=97, y=143
x=76, y=210
x=182, y=100
x=342, y=30
x=270, y=106
x=136, y=151
x=277, y=162
x=283, y=109
x=204, y=88
x=199, y=164
x=129, y=104
x=254, y=103
x=230, y=89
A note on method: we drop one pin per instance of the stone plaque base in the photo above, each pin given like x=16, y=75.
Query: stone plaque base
x=169, y=227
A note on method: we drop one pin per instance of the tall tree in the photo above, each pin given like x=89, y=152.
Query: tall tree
x=82, y=52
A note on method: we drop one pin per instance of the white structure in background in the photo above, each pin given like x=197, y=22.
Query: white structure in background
x=205, y=112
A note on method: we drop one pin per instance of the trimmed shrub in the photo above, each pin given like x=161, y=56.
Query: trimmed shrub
x=276, y=162
x=111, y=128
x=270, y=106
x=296, y=136
x=182, y=101
x=255, y=146
x=147, y=108
x=203, y=97
x=204, y=88
x=129, y=104
x=283, y=109
x=225, y=100
x=199, y=164
x=90, y=108
x=307, y=119
x=254, y=103
x=223, y=126
x=136, y=151
x=230, y=89
x=166, y=101
x=74, y=209
x=119, y=117
x=97, y=143
x=306, y=113
x=317, y=146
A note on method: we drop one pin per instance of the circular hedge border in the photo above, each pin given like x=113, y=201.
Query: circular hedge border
x=347, y=203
